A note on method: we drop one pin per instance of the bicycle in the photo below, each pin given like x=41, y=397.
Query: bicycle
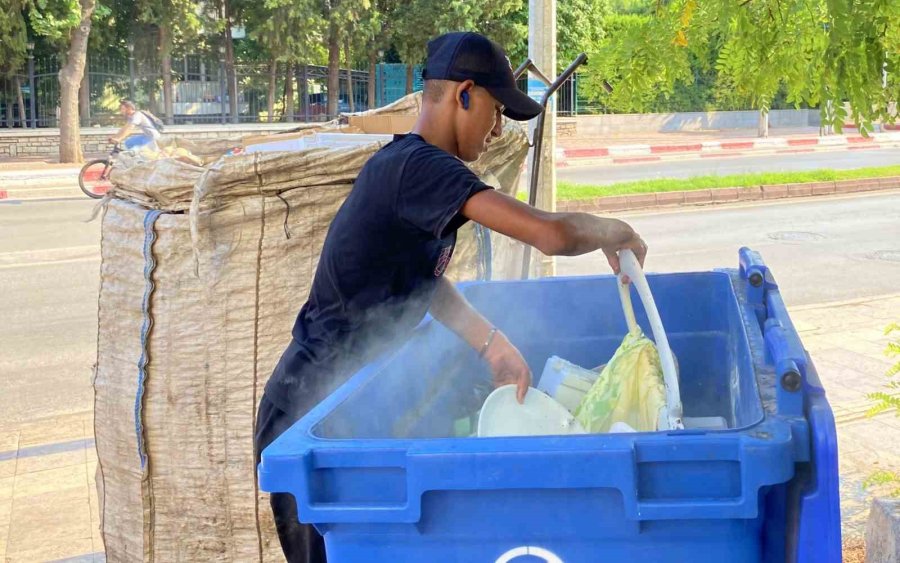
x=94, y=176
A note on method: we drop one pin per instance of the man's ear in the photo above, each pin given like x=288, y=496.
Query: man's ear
x=463, y=93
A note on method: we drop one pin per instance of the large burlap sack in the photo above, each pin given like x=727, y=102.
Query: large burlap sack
x=203, y=271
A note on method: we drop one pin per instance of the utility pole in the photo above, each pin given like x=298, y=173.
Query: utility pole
x=542, y=51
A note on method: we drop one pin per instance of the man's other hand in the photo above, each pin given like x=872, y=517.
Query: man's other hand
x=508, y=366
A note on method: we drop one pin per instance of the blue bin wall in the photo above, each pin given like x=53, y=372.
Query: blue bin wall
x=372, y=466
x=436, y=378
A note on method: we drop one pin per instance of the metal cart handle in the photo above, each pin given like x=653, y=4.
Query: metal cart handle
x=538, y=141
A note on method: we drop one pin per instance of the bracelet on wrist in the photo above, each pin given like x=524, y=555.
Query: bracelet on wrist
x=487, y=342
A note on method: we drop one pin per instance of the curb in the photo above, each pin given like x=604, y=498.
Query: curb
x=883, y=531
x=625, y=154
x=56, y=191
x=727, y=195
x=50, y=183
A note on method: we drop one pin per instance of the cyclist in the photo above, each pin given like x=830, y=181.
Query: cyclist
x=140, y=129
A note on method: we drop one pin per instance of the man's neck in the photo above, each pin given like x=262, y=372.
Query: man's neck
x=436, y=127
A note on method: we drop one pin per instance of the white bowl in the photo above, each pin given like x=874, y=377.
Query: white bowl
x=539, y=415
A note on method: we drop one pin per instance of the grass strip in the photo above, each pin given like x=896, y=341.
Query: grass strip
x=567, y=191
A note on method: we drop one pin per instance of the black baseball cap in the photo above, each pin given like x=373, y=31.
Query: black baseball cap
x=462, y=56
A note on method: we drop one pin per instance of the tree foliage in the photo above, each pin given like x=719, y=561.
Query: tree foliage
x=12, y=45
x=659, y=55
x=888, y=401
x=811, y=51
x=288, y=30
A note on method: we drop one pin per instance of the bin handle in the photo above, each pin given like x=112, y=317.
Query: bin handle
x=670, y=419
x=474, y=465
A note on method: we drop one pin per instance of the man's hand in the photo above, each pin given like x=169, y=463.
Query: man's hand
x=454, y=312
x=507, y=365
x=620, y=236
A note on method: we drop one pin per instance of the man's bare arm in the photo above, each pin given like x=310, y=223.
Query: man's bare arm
x=507, y=365
x=554, y=234
x=122, y=133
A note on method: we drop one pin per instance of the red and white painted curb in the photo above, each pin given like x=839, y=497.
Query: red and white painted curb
x=628, y=154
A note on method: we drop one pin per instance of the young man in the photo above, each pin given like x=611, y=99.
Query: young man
x=138, y=130
x=382, y=265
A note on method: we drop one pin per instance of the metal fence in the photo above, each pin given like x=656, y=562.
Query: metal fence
x=14, y=101
x=200, y=91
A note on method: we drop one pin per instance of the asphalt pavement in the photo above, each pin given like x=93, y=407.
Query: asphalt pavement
x=820, y=250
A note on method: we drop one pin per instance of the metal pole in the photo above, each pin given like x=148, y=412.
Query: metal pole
x=379, y=85
x=236, y=117
x=575, y=95
x=131, y=77
x=537, y=174
x=222, y=87
x=304, y=92
x=542, y=50
x=31, y=90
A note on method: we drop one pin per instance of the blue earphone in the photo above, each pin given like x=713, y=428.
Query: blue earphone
x=464, y=98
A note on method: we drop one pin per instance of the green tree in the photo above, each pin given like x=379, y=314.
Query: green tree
x=579, y=25
x=815, y=51
x=12, y=55
x=343, y=17
x=336, y=20
x=67, y=23
x=422, y=20
x=290, y=32
x=376, y=29
x=887, y=401
x=176, y=21
x=224, y=16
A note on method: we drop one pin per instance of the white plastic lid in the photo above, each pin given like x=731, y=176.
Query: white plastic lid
x=539, y=415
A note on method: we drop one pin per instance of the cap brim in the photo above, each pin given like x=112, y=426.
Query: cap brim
x=518, y=106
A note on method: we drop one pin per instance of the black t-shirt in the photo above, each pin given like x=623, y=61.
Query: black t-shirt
x=387, y=247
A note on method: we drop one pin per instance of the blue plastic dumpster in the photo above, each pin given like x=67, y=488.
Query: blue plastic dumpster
x=377, y=469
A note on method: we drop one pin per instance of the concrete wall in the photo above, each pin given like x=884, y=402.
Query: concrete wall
x=600, y=125
x=45, y=142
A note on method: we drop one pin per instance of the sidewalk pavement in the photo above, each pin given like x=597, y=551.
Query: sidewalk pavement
x=48, y=498
x=170, y=129
x=711, y=144
x=624, y=148
x=38, y=180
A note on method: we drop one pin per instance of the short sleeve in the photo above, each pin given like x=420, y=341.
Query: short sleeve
x=136, y=119
x=433, y=189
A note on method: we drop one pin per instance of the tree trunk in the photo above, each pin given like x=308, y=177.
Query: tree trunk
x=303, y=83
x=165, y=48
x=371, y=85
x=229, y=64
x=151, y=98
x=273, y=68
x=334, y=68
x=23, y=119
x=763, y=129
x=289, y=93
x=828, y=127
x=347, y=58
x=84, y=100
x=410, y=70
x=69, y=81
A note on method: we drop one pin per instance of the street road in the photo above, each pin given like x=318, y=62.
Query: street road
x=820, y=250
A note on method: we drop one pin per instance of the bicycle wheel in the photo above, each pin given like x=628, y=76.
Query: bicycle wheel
x=94, y=178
